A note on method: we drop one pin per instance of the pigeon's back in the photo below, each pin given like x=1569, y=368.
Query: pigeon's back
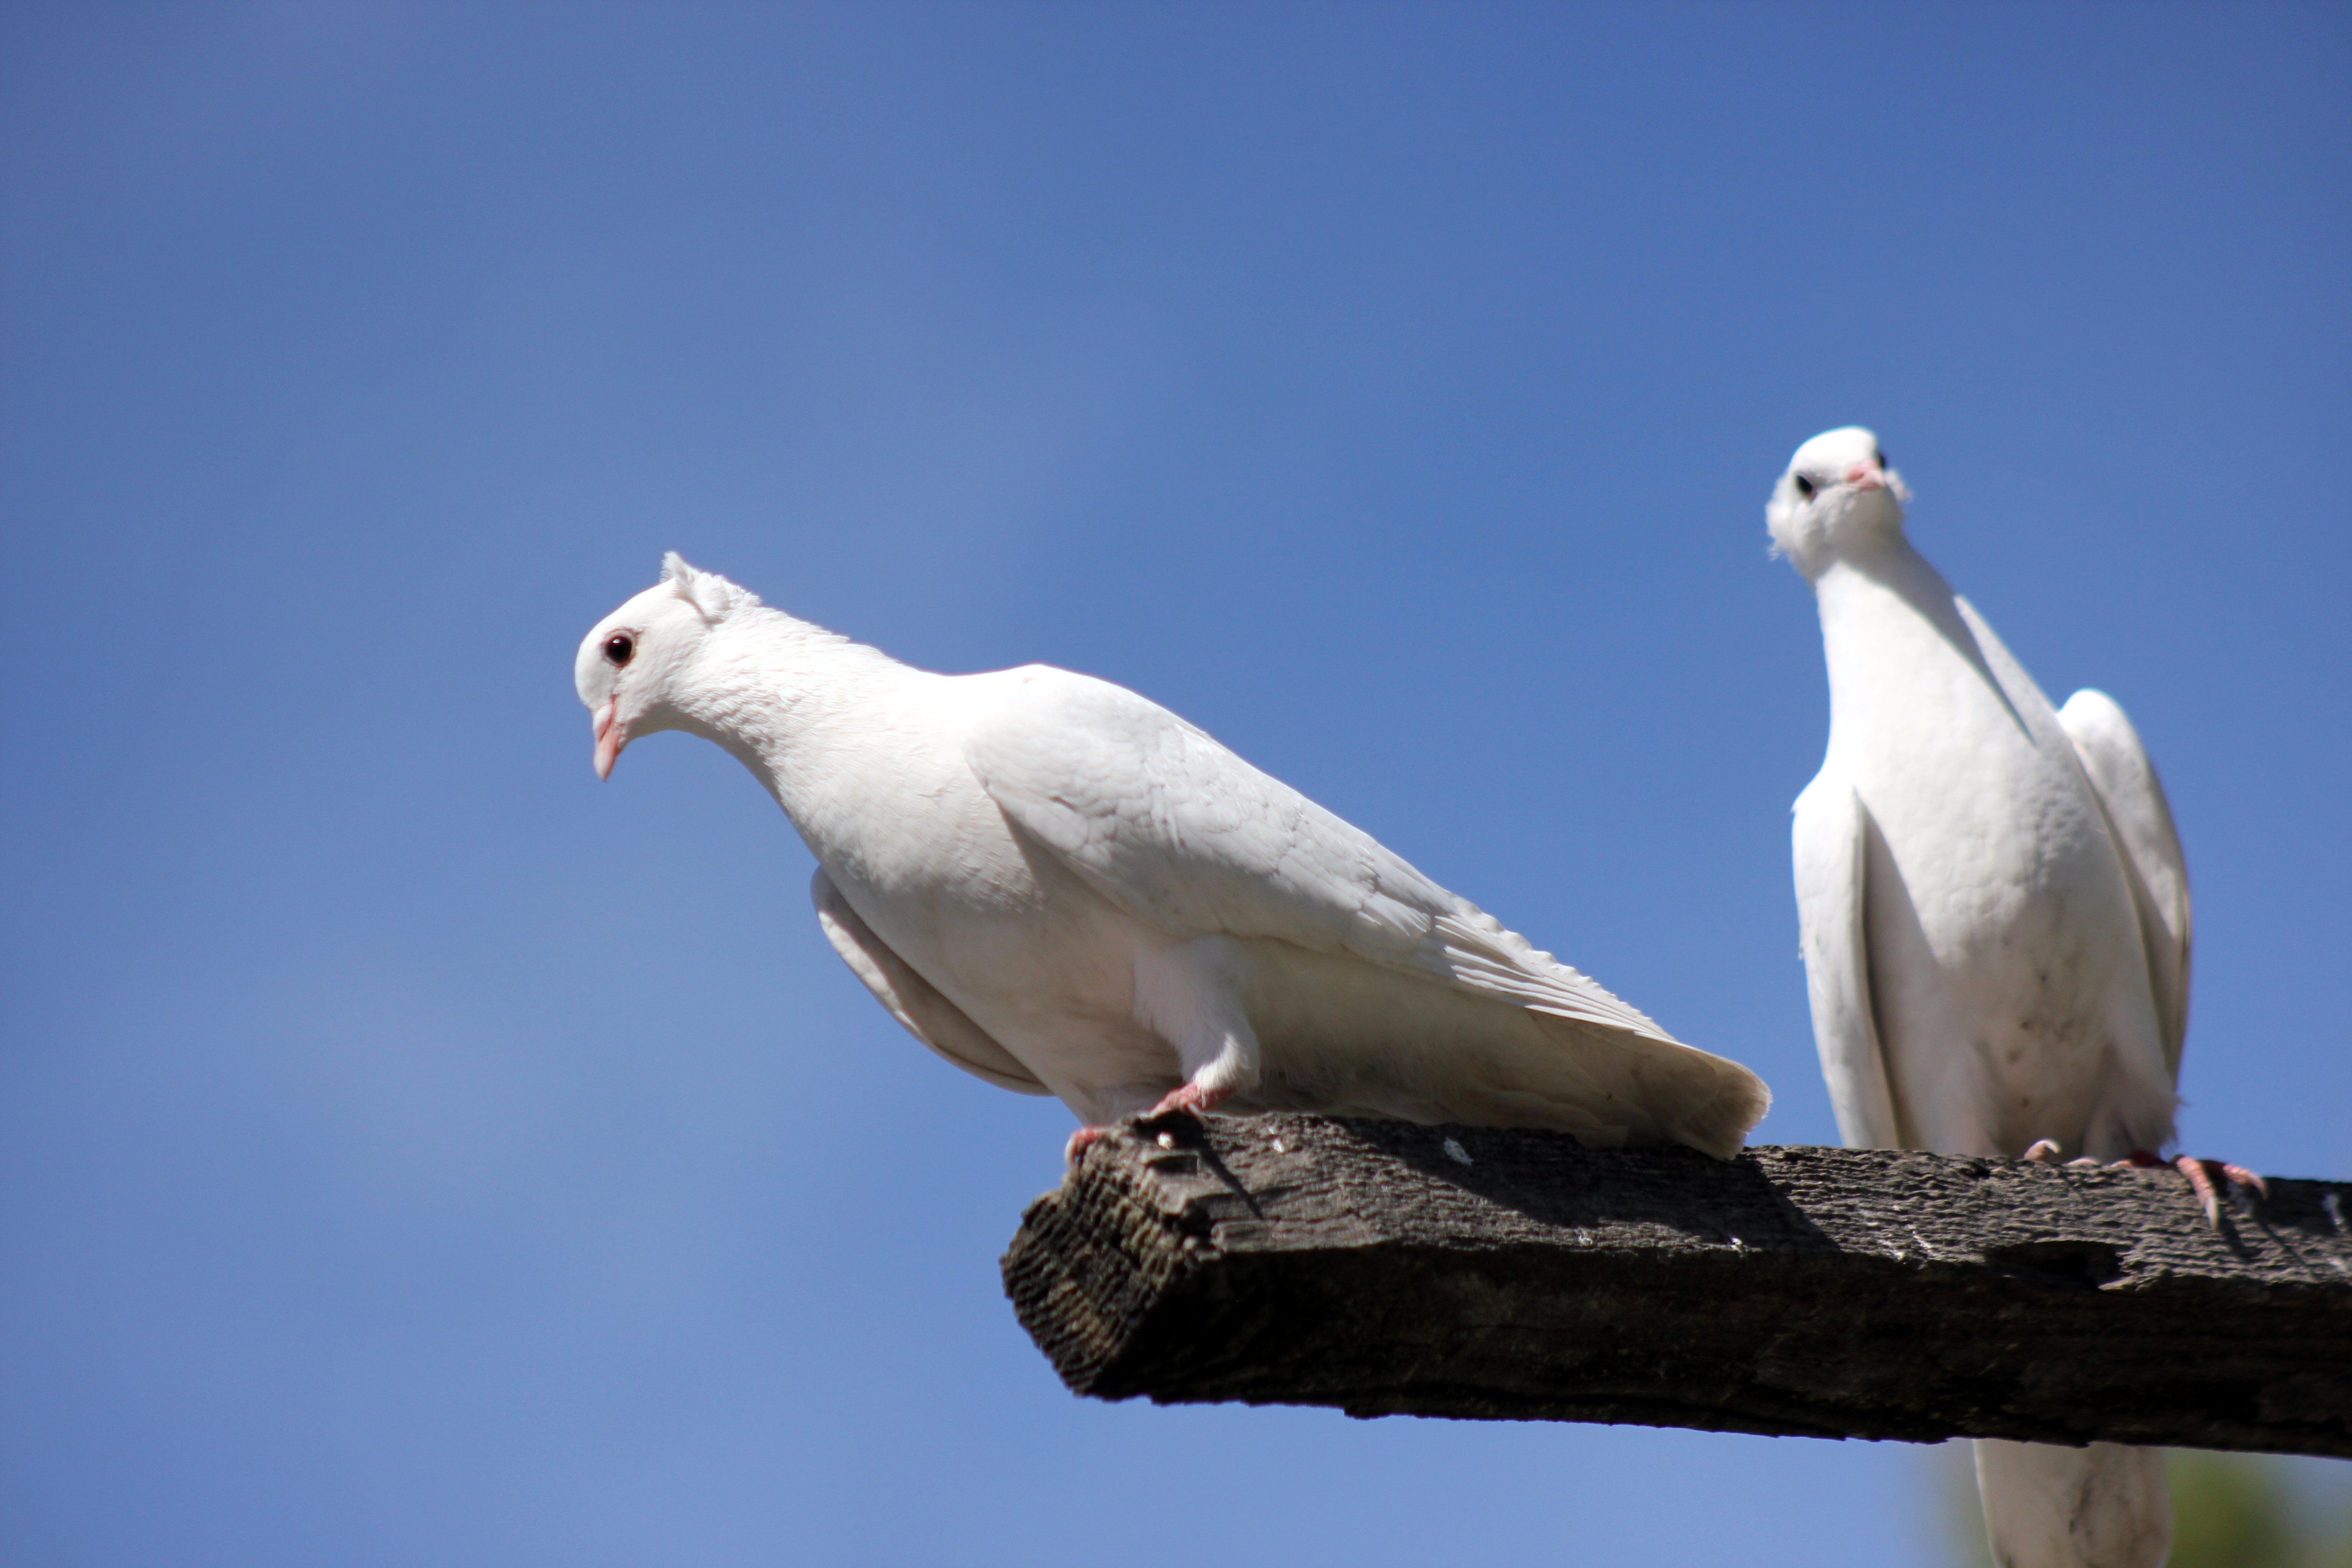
x=1372, y=990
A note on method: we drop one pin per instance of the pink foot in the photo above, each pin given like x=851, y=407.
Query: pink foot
x=2200, y=1179
x=2246, y=1178
x=1193, y=1099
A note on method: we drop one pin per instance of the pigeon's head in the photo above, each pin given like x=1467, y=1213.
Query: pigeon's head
x=1837, y=493
x=634, y=668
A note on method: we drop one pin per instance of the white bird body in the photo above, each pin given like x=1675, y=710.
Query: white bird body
x=2008, y=980
x=1062, y=888
x=1995, y=925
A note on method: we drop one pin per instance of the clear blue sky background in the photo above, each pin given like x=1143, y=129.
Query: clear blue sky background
x=412, y=1152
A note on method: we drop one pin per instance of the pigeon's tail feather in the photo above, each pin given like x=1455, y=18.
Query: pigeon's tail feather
x=1683, y=1095
x=2104, y=1506
x=1343, y=1037
x=1608, y=1087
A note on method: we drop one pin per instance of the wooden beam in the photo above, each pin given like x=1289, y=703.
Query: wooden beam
x=1385, y=1269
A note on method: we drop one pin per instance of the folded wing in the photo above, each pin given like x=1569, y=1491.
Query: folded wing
x=2141, y=820
x=1181, y=832
x=911, y=999
x=1830, y=838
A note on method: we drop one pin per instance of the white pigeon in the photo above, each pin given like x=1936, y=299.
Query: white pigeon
x=1995, y=918
x=1065, y=889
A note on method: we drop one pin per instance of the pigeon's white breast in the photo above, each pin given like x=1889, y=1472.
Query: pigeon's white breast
x=2005, y=957
x=1031, y=953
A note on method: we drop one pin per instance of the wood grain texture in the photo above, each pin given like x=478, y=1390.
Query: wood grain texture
x=1385, y=1269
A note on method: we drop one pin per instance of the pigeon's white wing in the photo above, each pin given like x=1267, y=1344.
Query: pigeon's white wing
x=911, y=999
x=1181, y=832
x=2126, y=785
x=1831, y=842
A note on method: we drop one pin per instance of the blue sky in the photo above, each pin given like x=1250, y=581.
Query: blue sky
x=413, y=1152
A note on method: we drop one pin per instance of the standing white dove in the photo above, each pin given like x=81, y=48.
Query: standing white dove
x=1065, y=889
x=1996, y=931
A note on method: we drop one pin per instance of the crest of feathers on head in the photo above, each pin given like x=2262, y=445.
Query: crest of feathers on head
x=713, y=596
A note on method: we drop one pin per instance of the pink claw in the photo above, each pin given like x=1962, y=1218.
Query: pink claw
x=2200, y=1178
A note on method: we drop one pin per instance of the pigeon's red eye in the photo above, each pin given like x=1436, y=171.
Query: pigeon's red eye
x=1805, y=488
x=618, y=649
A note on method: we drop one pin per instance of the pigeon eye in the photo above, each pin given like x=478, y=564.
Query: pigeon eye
x=1805, y=486
x=1880, y=457
x=619, y=649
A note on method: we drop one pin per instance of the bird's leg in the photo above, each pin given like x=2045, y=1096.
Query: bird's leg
x=2043, y=1150
x=1083, y=1139
x=1188, y=994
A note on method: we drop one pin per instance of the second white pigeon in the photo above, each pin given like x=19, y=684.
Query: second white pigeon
x=1996, y=926
x=1065, y=889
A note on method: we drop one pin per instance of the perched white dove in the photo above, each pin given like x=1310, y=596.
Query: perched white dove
x=1995, y=927
x=1065, y=889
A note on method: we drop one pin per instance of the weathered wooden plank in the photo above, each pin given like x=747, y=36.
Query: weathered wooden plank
x=1386, y=1268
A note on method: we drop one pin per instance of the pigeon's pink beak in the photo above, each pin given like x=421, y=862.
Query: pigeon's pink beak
x=1866, y=477
x=611, y=736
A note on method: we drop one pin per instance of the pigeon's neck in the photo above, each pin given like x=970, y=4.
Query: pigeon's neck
x=782, y=694
x=1898, y=643
x=1882, y=571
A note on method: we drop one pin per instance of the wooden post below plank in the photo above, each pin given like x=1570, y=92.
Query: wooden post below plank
x=1385, y=1269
